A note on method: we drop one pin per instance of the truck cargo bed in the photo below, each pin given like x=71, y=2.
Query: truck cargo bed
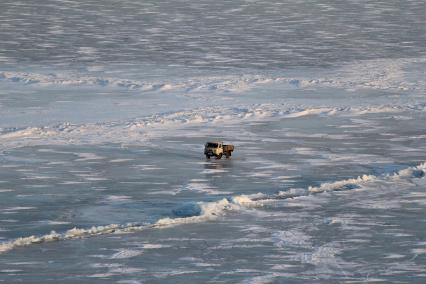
x=228, y=148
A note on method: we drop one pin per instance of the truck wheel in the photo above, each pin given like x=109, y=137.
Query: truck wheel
x=218, y=157
x=207, y=157
x=228, y=155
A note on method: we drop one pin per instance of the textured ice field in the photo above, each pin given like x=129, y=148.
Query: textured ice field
x=218, y=34
x=105, y=107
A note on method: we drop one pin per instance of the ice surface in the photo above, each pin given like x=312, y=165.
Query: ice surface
x=141, y=129
x=205, y=211
x=105, y=108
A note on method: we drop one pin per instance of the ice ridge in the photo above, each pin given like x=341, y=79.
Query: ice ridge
x=232, y=83
x=206, y=211
x=136, y=130
x=381, y=74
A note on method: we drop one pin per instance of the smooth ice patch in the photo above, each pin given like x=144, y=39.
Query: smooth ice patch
x=88, y=157
x=117, y=198
x=126, y=253
x=201, y=187
x=121, y=160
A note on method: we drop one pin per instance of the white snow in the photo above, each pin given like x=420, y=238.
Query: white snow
x=139, y=130
x=380, y=74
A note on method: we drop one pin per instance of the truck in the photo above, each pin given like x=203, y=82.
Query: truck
x=217, y=149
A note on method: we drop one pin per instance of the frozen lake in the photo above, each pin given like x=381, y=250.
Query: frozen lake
x=105, y=107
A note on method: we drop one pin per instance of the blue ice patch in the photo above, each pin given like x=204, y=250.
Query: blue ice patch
x=187, y=210
x=418, y=173
x=349, y=186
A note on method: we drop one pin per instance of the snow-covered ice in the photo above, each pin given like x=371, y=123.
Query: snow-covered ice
x=105, y=108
